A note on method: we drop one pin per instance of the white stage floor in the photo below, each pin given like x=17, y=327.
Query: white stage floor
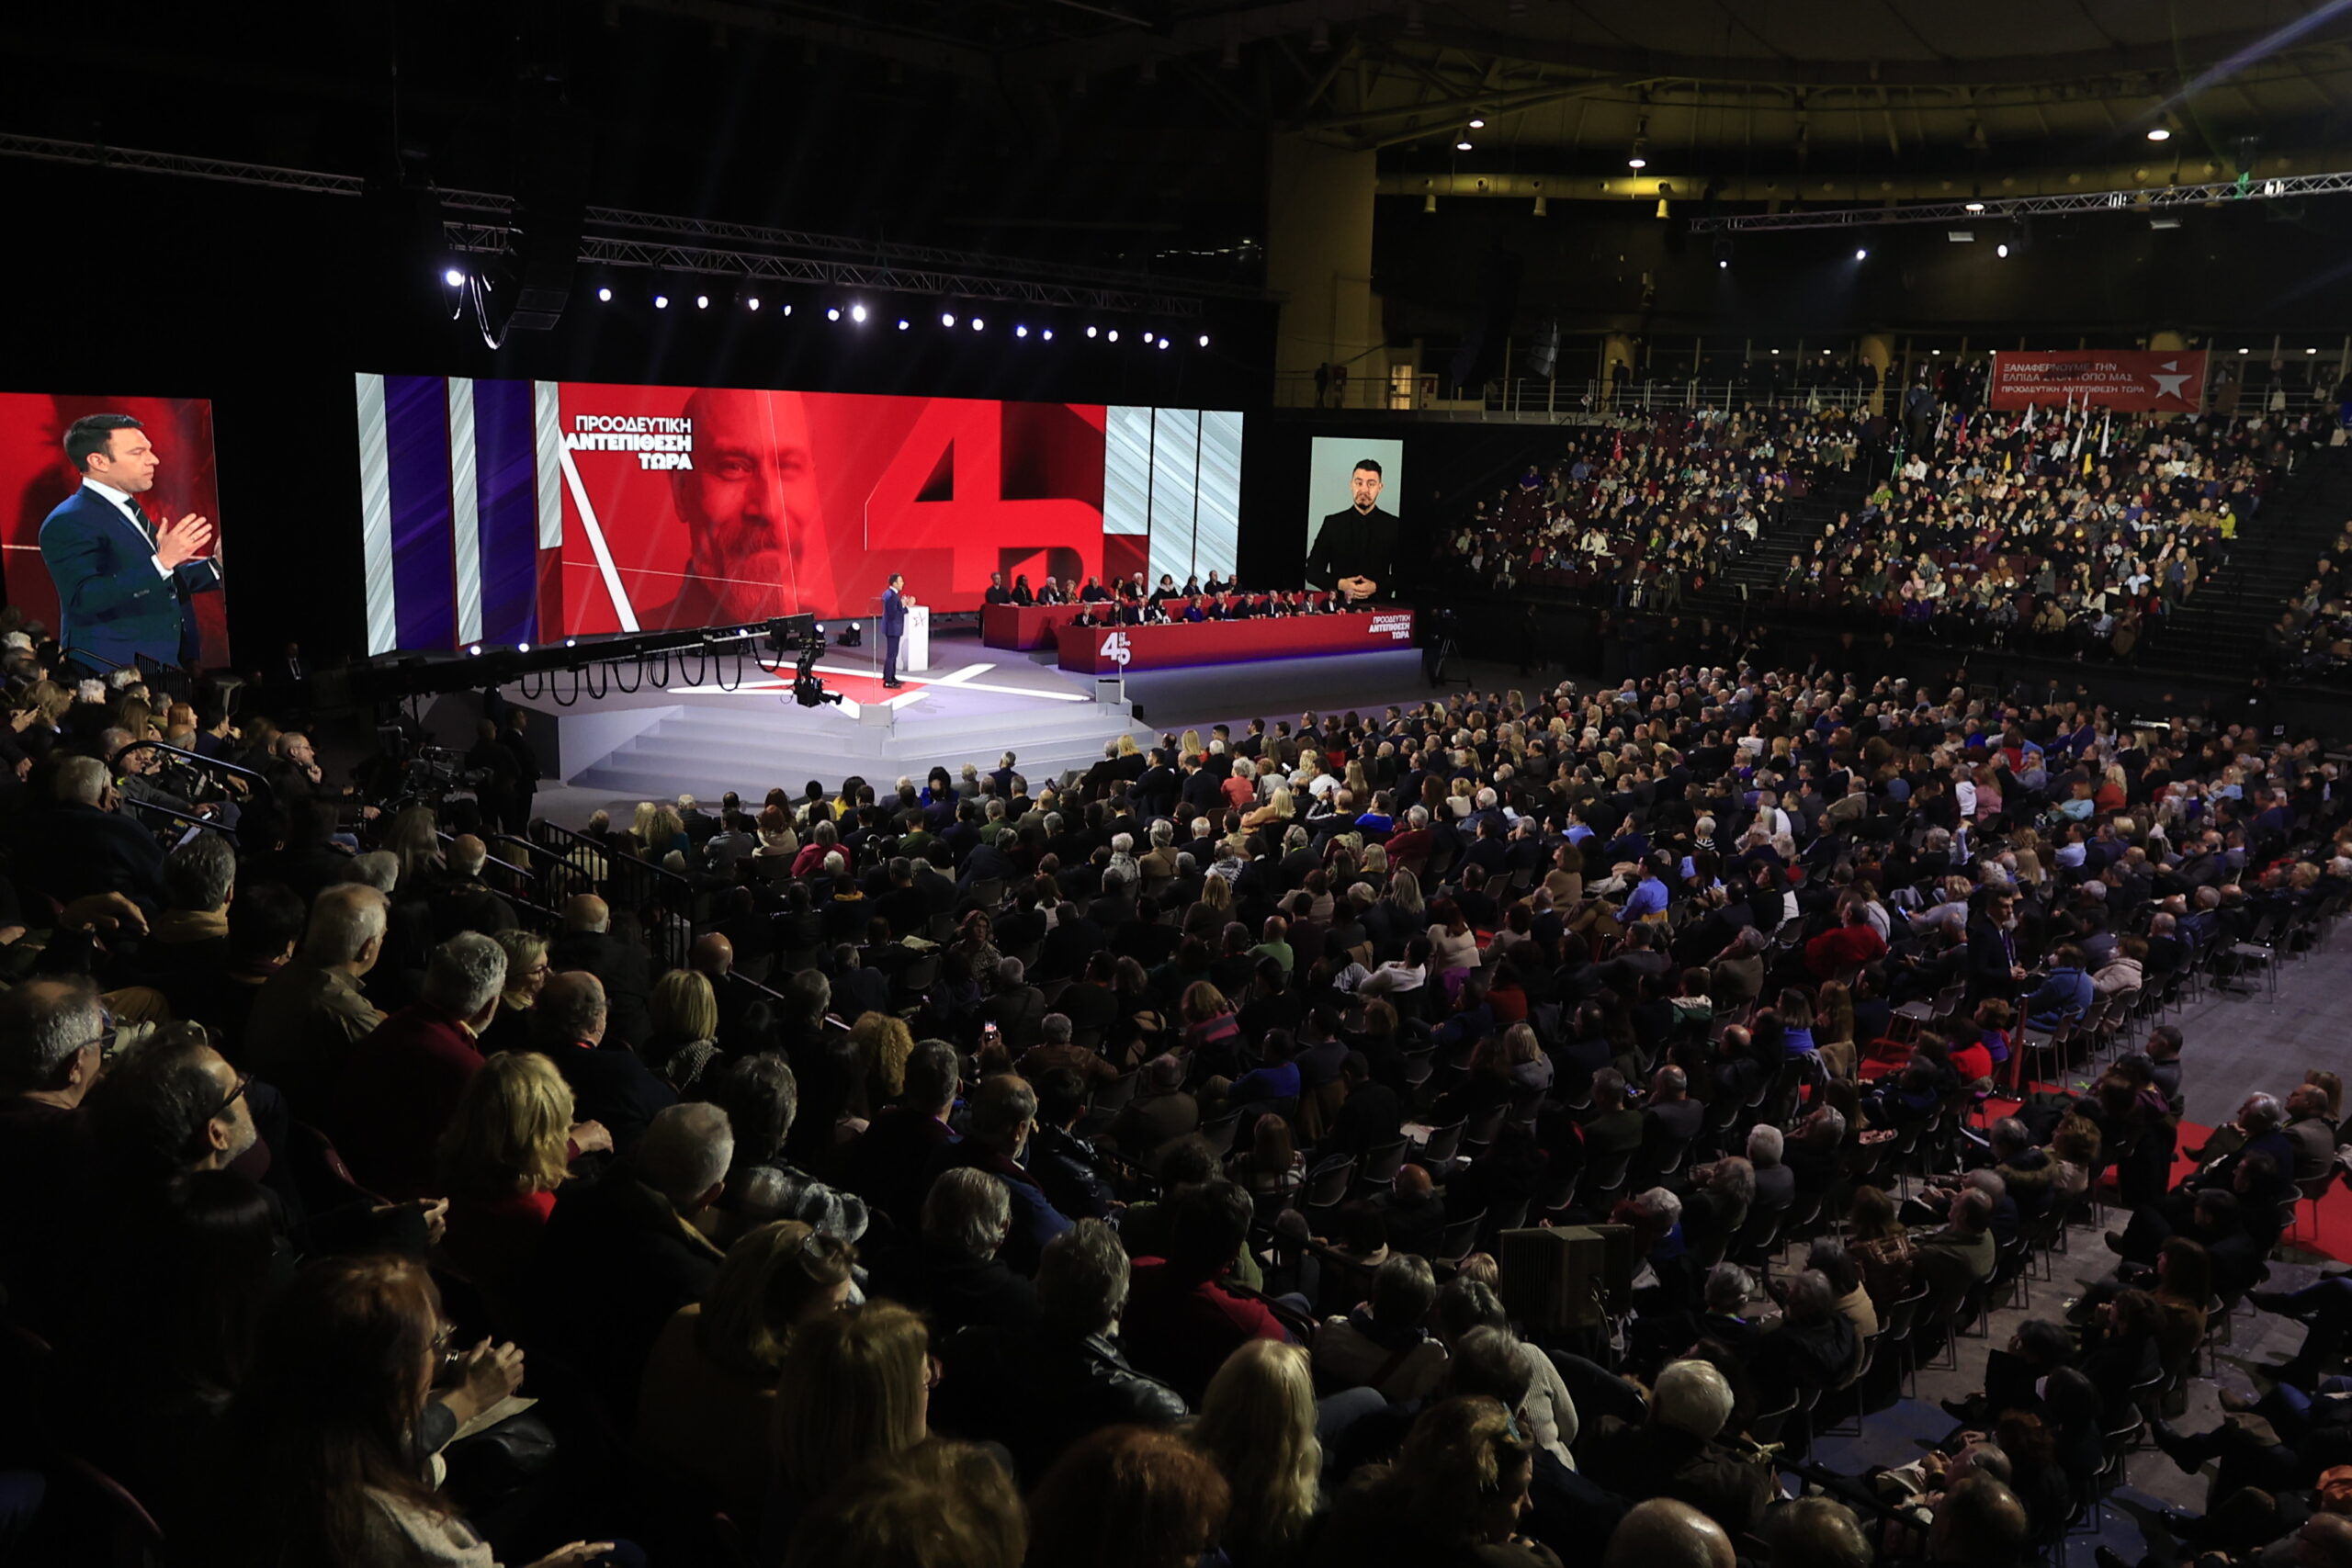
x=613, y=747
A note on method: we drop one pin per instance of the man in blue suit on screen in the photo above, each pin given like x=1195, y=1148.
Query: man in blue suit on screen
x=123, y=582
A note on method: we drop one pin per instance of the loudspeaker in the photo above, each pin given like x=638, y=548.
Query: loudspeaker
x=1543, y=353
x=1480, y=358
x=1568, y=1278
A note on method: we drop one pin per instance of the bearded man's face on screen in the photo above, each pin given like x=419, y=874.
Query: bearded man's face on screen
x=750, y=503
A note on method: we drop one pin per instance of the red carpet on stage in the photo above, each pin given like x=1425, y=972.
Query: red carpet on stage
x=2330, y=1238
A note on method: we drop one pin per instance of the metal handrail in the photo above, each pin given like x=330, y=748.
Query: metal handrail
x=198, y=760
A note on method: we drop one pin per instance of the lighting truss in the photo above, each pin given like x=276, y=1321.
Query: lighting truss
x=757, y=237
x=2217, y=193
x=611, y=250
x=703, y=245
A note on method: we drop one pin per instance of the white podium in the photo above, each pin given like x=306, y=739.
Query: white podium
x=914, y=647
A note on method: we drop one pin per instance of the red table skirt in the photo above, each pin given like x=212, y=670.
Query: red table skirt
x=1025, y=627
x=1107, y=650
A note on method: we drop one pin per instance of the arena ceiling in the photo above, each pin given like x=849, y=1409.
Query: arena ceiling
x=1135, y=131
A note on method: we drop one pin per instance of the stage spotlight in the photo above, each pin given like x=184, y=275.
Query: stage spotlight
x=522, y=648
x=946, y=318
x=978, y=324
x=1113, y=334
x=2002, y=250
x=453, y=278
x=604, y=295
x=857, y=314
x=1089, y=331
x=473, y=651
x=1477, y=122
x=1204, y=340
x=572, y=642
x=1723, y=261
x=1020, y=330
x=2159, y=134
x=702, y=301
x=832, y=312
x=1463, y=145
x=1862, y=253
x=904, y=324
x=1974, y=205
x=1163, y=342
x=750, y=301
x=1048, y=336
x=788, y=308
x=661, y=302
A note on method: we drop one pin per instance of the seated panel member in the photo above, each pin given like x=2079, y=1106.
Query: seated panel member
x=996, y=593
x=1022, y=592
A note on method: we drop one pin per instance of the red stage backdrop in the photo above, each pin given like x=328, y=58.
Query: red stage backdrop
x=2128, y=380
x=696, y=507
x=35, y=477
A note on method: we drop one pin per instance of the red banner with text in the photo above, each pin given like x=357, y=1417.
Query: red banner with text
x=2128, y=380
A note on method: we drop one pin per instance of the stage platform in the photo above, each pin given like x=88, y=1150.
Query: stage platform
x=972, y=705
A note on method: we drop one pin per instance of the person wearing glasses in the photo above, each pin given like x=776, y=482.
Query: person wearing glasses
x=327, y=1437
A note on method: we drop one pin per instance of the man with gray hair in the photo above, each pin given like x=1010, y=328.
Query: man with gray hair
x=82, y=845
x=1003, y=1116
x=187, y=951
x=621, y=1255
x=952, y=1274
x=308, y=1017
x=1072, y=1379
x=1675, y=1452
x=402, y=1086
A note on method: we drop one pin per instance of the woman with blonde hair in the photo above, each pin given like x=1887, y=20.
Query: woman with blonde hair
x=1276, y=812
x=682, y=1036
x=708, y=1395
x=526, y=976
x=851, y=1388
x=1256, y=1422
x=884, y=1042
x=508, y=1146
x=641, y=826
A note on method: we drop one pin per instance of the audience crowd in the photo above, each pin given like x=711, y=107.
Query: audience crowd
x=1126, y=1168
x=2045, y=529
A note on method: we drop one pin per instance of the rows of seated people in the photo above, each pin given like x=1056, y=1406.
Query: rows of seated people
x=1117, y=1168
x=2312, y=639
x=1651, y=512
x=1129, y=603
x=2052, y=534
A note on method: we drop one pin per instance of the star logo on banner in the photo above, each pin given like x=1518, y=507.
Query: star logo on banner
x=2170, y=386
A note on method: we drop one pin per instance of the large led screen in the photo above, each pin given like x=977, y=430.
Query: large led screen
x=97, y=545
x=507, y=512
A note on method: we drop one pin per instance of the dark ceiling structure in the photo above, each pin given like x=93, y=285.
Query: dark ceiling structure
x=1133, y=133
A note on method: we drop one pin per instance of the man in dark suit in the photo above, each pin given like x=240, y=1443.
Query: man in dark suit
x=894, y=627
x=122, y=581
x=1355, y=550
x=587, y=943
x=81, y=846
x=610, y=1085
